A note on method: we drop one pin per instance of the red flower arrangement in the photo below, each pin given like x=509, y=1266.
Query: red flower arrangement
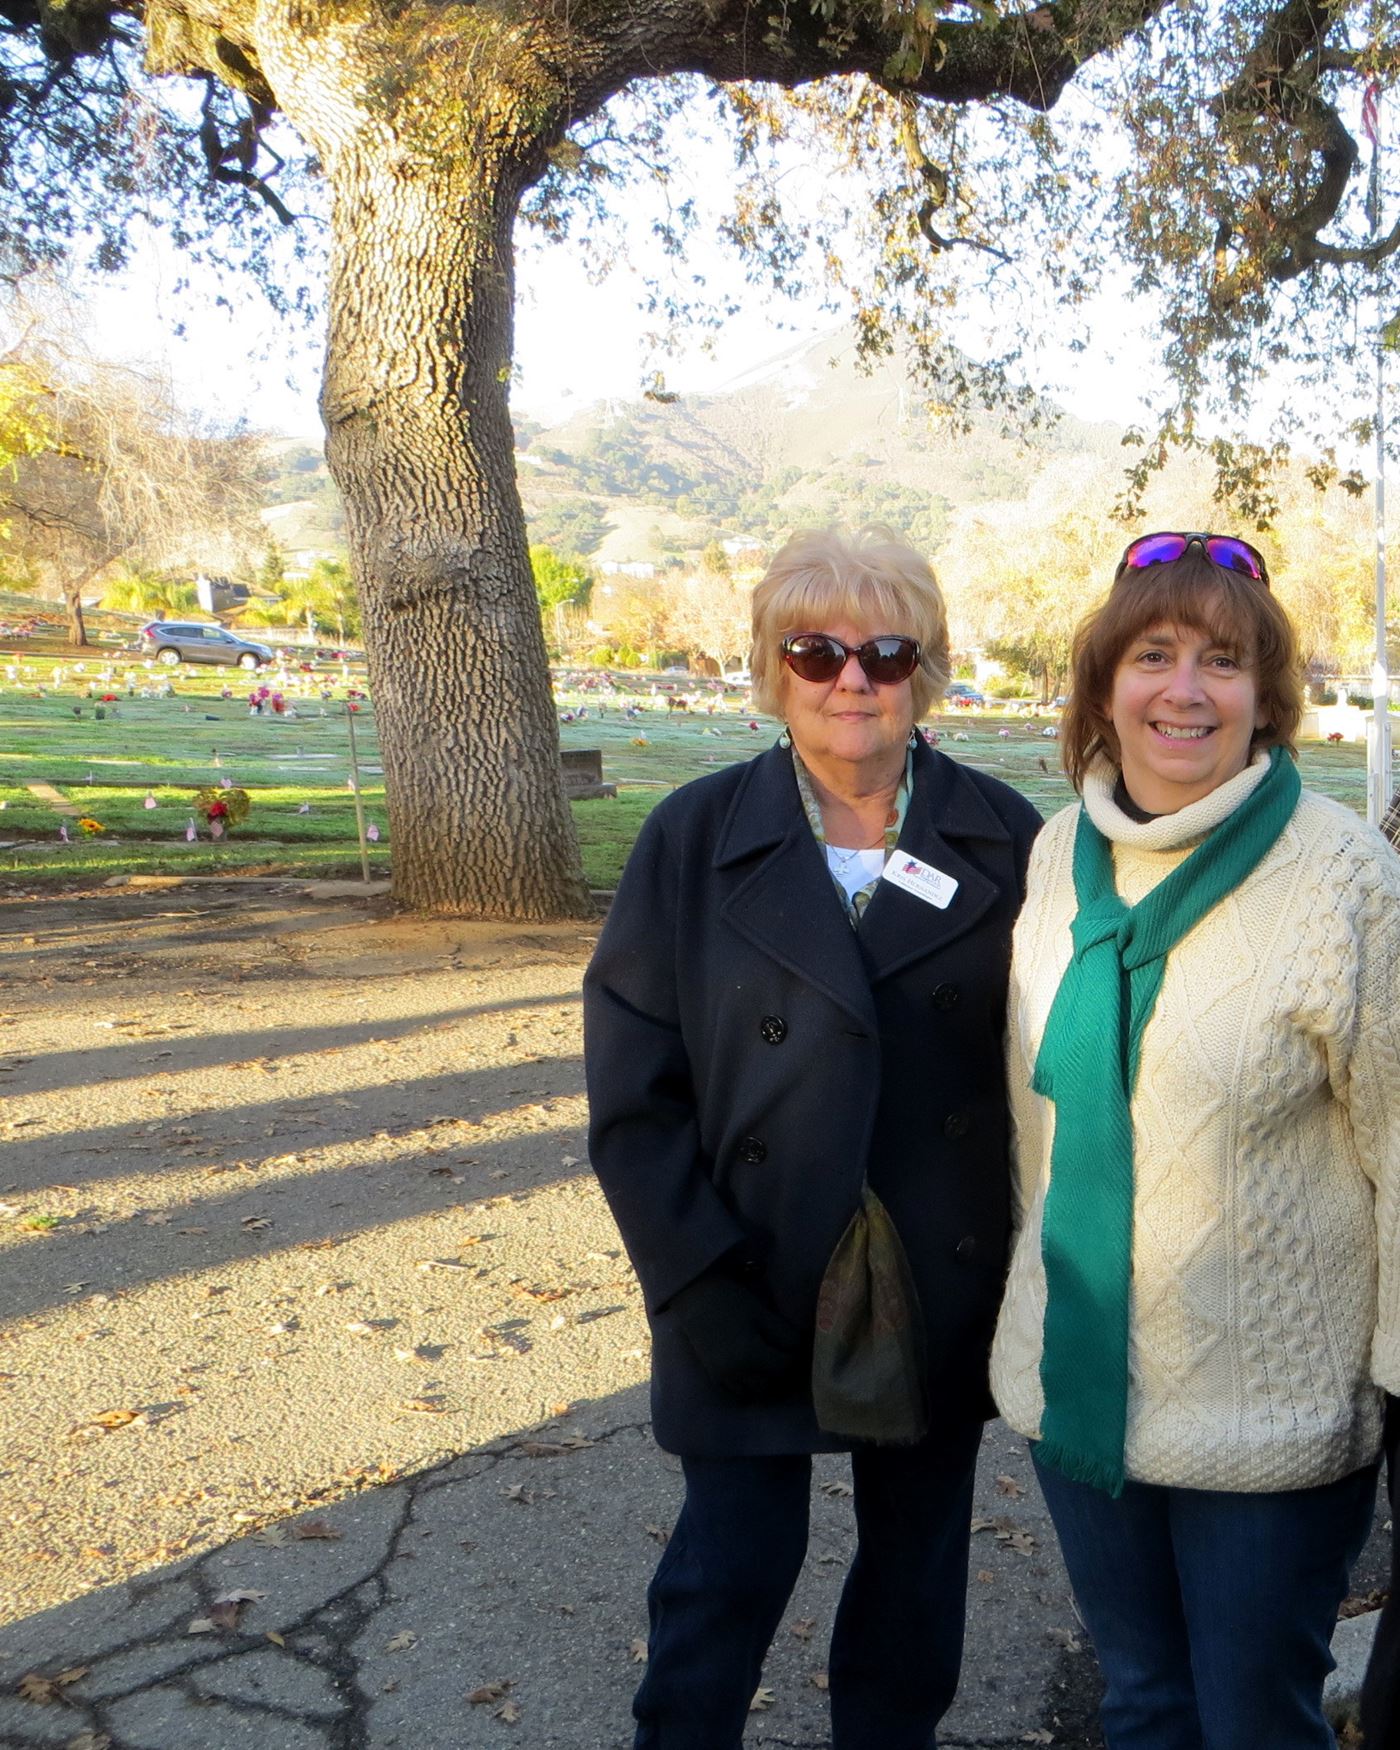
x=225, y=808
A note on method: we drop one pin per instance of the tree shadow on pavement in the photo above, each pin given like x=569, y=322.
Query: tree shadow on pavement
x=506, y=1585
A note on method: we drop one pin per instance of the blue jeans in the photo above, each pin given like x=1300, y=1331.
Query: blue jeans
x=728, y=1571
x=1211, y=1612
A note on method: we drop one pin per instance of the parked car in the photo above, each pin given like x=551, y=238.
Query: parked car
x=963, y=696
x=173, y=641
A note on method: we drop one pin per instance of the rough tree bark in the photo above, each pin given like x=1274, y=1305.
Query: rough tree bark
x=419, y=439
x=431, y=118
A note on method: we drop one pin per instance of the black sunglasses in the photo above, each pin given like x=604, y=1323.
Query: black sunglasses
x=817, y=656
x=1226, y=551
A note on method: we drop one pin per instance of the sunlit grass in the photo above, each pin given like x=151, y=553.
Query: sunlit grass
x=296, y=768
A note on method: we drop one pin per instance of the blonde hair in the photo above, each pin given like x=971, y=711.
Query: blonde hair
x=1240, y=614
x=870, y=578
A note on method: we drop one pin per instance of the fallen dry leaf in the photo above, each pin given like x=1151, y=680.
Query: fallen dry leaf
x=509, y=1711
x=402, y=1641
x=254, y=1222
x=802, y=1628
x=490, y=1692
x=1038, y=1735
x=317, y=1528
x=659, y=1534
x=89, y=1741
x=270, y=1537
x=202, y=1626
x=638, y=1650
x=762, y=1700
x=272, y=1635
x=985, y=1576
x=554, y=1448
x=45, y=1690
x=115, y=1418
x=819, y=1680
x=836, y=1489
x=424, y=1406
x=518, y=1492
x=1009, y=1486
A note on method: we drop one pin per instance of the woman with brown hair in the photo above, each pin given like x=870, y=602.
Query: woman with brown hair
x=1204, y=1038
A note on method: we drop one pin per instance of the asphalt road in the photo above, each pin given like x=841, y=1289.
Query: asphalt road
x=322, y=1371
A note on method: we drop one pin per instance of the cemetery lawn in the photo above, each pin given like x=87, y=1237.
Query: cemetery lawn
x=134, y=771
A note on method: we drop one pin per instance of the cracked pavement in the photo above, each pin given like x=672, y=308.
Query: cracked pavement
x=317, y=1332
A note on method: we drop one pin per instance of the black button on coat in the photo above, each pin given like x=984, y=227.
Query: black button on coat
x=726, y=918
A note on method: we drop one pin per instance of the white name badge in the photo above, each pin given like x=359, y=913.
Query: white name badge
x=921, y=879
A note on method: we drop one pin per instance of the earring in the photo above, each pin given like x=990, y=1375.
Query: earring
x=785, y=739
x=914, y=736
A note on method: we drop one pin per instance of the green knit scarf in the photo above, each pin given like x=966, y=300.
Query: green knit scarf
x=1088, y=1064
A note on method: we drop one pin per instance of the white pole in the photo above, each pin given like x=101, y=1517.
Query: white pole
x=1378, y=736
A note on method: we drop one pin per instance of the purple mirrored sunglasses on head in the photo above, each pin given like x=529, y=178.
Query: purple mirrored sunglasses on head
x=1226, y=551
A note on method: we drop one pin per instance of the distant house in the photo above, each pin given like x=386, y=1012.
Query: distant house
x=642, y=568
x=216, y=595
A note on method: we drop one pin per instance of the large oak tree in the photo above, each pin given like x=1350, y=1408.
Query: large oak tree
x=432, y=121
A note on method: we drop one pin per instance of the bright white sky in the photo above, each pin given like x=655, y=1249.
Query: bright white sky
x=575, y=342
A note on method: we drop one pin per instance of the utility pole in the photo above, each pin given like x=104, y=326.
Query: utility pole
x=1378, y=739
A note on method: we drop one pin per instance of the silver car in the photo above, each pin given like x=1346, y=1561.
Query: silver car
x=173, y=641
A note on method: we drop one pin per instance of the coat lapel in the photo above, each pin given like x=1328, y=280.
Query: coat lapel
x=946, y=808
x=787, y=905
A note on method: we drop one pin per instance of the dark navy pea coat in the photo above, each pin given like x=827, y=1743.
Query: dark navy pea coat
x=751, y=1057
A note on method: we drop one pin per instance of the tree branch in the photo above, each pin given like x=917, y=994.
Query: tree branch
x=1027, y=56
x=1279, y=82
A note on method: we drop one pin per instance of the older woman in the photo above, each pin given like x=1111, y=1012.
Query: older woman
x=794, y=1051
x=1204, y=1300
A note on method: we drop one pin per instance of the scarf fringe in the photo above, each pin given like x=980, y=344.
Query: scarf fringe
x=1079, y=1467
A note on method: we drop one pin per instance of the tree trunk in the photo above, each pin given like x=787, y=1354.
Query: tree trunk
x=73, y=601
x=418, y=437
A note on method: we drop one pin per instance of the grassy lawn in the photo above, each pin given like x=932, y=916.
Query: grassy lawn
x=170, y=732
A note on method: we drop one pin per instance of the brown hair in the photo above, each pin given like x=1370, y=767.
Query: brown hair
x=871, y=578
x=1243, y=616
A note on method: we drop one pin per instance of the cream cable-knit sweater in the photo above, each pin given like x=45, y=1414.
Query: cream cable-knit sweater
x=1266, y=1125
